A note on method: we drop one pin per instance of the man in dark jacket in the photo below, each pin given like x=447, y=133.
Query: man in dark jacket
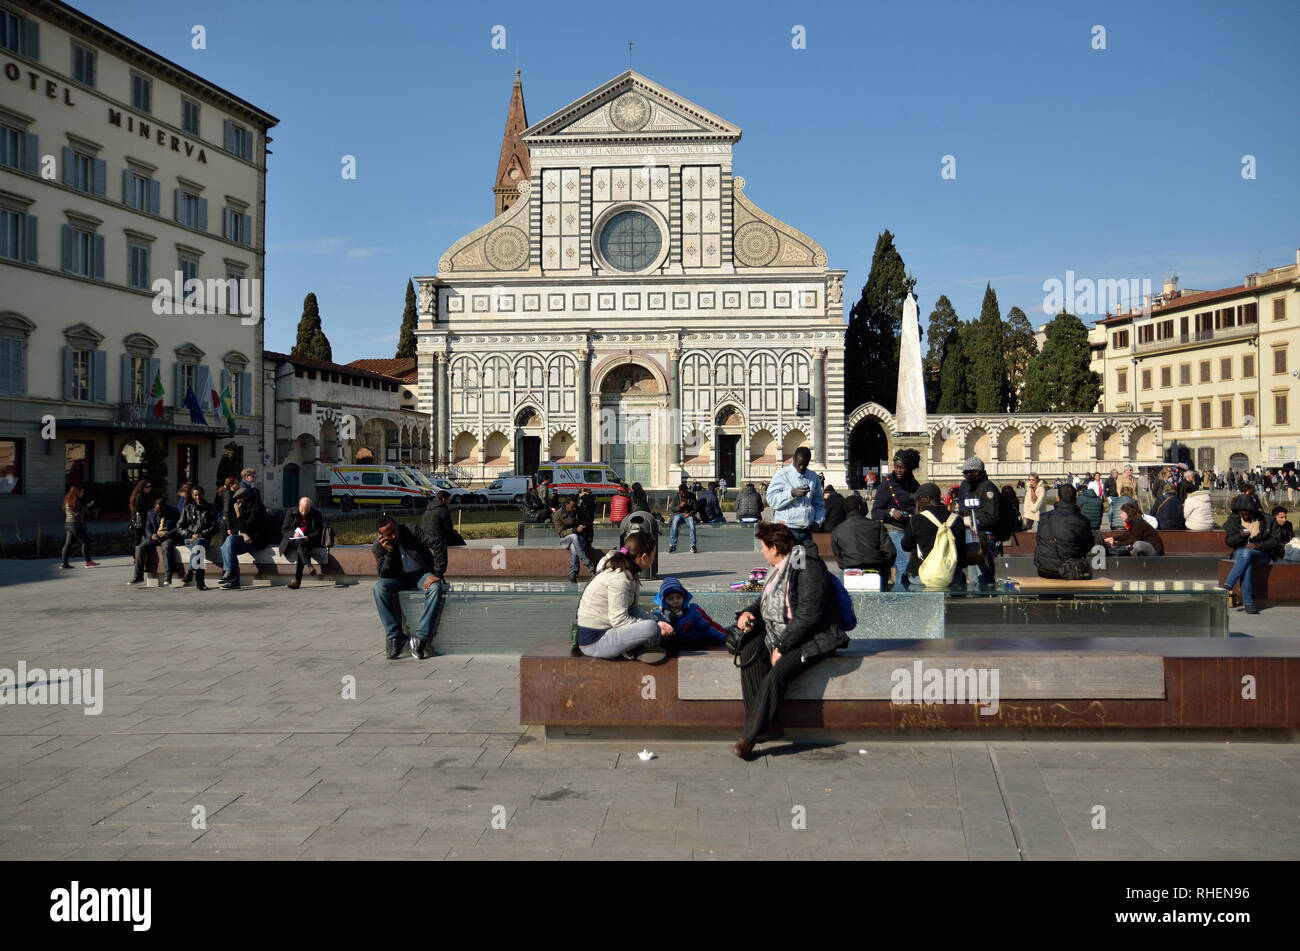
x=835, y=511
x=196, y=526
x=1285, y=530
x=1168, y=511
x=860, y=542
x=1063, y=535
x=894, y=503
x=920, y=533
x=682, y=509
x=408, y=558
x=159, y=532
x=299, y=535
x=1254, y=539
x=1090, y=506
x=574, y=527
x=437, y=518
x=709, y=507
x=984, y=499
x=749, y=504
x=535, y=510
x=241, y=530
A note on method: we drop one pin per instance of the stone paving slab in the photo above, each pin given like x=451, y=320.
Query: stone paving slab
x=239, y=707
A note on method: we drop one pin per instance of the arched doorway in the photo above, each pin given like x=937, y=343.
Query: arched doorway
x=729, y=430
x=289, y=487
x=629, y=395
x=528, y=441
x=868, y=449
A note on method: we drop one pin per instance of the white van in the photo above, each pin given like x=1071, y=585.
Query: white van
x=571, y=477
x=459, y=494
x=375, y=485
x=509, y=489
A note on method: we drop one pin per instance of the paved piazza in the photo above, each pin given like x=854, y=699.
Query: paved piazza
x=232, y=701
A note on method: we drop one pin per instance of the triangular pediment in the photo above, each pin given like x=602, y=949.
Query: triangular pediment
x=631, y=107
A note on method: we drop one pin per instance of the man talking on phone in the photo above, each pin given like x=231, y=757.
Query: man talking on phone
x=408, y=558
x=795, y=494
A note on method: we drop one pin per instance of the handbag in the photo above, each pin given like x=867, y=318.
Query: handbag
x=327, y=537
x=136, y=524
x=1072, y=569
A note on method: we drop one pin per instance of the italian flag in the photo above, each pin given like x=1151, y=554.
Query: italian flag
x=157, y=395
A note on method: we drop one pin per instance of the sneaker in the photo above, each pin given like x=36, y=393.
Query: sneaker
x=693, y=551
x=1251, y=609
x=65, y=565
x=417, y=648
x=394, y=645
x=165, y=583
x=647, y=655
x=573, y=577
x=136, y=581
x=92, y=564
x=672, y=549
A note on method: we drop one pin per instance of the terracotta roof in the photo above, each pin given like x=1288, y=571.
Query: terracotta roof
x=326, y=366
x=1178, y=303
x=400, y=368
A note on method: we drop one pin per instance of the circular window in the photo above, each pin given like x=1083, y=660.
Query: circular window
x=630, y=241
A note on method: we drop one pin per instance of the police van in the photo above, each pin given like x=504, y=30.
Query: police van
x=375, y=485
x=572, y=477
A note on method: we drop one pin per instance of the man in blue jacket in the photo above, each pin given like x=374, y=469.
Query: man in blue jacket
x=795, y=494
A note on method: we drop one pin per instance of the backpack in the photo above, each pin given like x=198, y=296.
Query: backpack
x=938, y=566
x=848, y=620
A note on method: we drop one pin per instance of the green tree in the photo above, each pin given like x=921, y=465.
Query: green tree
x=1059, y=378
x=988, y=365
x=943, y=321
x=406, y=338
x=956, y=381
x=1020, y=347
x=871, y=339
x=312, y=343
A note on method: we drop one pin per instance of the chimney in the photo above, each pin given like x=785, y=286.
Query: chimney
x=1171, y=287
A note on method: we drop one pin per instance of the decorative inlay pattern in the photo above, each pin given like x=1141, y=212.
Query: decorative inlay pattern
x=630, y=112
x=756, y=244
x=507, y=249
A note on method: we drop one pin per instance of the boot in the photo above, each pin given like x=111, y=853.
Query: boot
x=198, y=575
x=188, y=579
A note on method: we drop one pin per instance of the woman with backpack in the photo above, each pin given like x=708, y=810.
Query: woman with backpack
x=922, y=530
x=795, y=622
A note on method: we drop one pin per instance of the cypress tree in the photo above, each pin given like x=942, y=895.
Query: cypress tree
x=956, y=394
x=1020, y=347
x=1059, y=378
x=943, y=321
x=312, y=343
x=871, y=339
x=988, y=364
x=406, y=338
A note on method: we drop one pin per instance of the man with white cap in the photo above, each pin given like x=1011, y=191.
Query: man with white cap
x=979, y=500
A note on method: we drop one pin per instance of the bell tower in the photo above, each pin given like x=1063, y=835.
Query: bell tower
x=513, y=167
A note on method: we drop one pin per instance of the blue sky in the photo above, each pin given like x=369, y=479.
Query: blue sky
x=1122, y=163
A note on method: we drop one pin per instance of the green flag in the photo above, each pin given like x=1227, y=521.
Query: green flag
x=158, y=395
x=227, y=410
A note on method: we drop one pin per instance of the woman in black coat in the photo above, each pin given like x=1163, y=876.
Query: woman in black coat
x=300, y=533
x=788, y=642
x=139, y=506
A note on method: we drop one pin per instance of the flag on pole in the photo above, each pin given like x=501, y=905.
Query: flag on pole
x=157, y=395
x=228, y=410
x=213, y=395
x=192, y=404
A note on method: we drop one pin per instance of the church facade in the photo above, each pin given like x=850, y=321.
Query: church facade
x=630, y=304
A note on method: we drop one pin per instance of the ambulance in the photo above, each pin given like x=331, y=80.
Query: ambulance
x=375, y=485
x=568, y=478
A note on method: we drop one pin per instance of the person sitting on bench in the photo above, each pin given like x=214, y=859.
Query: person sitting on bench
x=861, y=542
x=1255, y=540
x=300, y=533
x=159, y=532
x=408, y=559
x=573, y=525
x=1064, y=539
x=1138, y=537
x=692, y=626
x=610, y=622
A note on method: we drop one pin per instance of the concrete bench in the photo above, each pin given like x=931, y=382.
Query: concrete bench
x=727, y=536
x=1175, y=542
x=1276, y=581
x=1129, y=568
x=1094, y=682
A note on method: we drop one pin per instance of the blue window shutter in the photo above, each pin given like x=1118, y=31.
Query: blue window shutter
x=99, y=257
x=201, y=386
x=29, y=238
x=227, y=134
x=225, y=380
x=126, y=186
x=203, y=214
x=127, y=389
x=4, y=241
x=6, y=345
x=246, y=394
x=100, y=185
x=151, y=372
x=248, y=230
x=69, y=161
x=32, y=44
x=225, y=222
x=69, y=256
x=155, y=197
x=177, y=198
x=99, y=376
x=67, y=374
x=179, y=400
x=248, y=145
x=32, y=152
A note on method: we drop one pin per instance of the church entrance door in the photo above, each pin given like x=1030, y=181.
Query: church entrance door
x=629, y=452
x=727, y=459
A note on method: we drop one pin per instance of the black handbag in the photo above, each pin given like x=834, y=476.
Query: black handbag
x=737, y=639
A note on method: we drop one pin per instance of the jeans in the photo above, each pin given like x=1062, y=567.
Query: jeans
x=619, y=639
x=989, y=564
x=166, y=555
x=1243, y=560
x=901, y=558
x=1143, y=548
x=672, y=532
x=579, y=551
x=390, y=608
x=76, y=532
x=231, y=549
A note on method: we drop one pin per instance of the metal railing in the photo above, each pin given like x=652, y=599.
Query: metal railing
x=1200, y=336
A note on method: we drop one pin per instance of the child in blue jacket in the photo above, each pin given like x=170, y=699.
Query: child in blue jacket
x=692, y=627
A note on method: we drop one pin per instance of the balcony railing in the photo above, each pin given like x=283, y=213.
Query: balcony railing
x=1200, y=336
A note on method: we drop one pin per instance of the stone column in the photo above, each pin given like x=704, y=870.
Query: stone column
x=819, y=405
x=584, y=398
x=441, y=422
x=675, y=407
